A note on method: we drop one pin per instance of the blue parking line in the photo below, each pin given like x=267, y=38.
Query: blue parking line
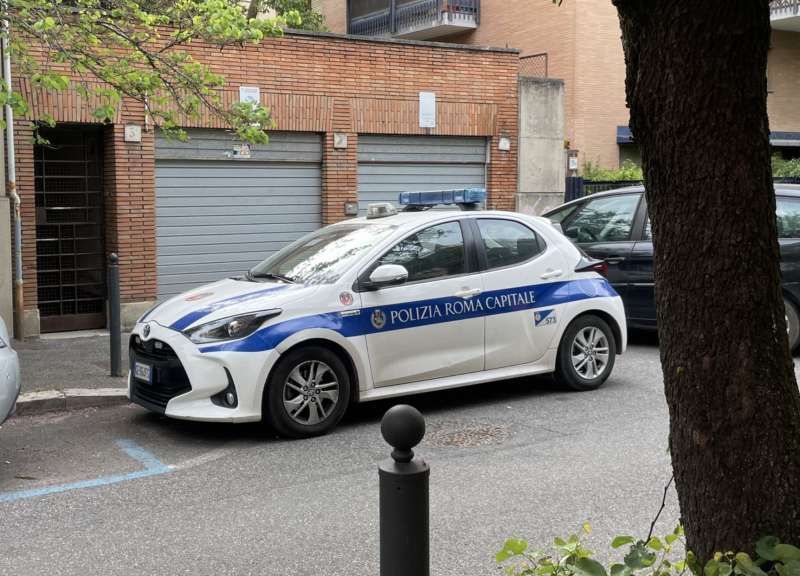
x=153, y=467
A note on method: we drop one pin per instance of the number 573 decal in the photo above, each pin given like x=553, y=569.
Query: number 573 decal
x=544, y=317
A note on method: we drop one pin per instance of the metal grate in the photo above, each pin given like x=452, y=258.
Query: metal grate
x=534, y=66
x=69, y=233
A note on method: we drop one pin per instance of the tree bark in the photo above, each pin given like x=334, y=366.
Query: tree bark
x=696, y=88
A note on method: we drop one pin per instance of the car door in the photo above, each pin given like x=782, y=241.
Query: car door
x=640, y=301
x=427, y=327
x=518, y=266
x=603, y=227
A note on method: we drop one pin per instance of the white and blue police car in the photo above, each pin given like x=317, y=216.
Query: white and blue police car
x=385, y=305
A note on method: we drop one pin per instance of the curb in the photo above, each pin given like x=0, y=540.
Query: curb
x=32, y=403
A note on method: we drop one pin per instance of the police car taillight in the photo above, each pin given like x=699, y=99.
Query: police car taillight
x=591, y=265
x=466, y=198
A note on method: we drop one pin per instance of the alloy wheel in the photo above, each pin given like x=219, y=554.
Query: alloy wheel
x=310, y=392
x=590, y=352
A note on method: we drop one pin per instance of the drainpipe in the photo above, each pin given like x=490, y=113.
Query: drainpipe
x=19, y=303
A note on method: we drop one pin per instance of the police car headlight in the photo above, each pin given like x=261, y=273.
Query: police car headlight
x=231, y=328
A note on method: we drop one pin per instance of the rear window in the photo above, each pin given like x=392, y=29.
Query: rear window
x=788, y=214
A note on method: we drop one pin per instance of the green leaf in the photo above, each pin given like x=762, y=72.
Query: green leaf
x=746, y=564
x=620, y=570
x=655, y=544
x=790, y=568
x=619, y=541
x=787, y=552
x=639, y=557
x=589, y=567
x=765, y=548
x=711, y=568
x=512, y=547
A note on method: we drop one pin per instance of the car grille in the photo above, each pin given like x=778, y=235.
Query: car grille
x=169, y=377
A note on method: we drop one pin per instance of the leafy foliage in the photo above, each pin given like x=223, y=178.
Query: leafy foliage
x=107, y=49
x=628, y=171
x=311, y=20
x=666, y=556
x=785, y=168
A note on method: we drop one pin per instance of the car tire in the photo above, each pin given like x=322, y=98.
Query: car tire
x=792, y=325
x=301, y=404
x=586, y=354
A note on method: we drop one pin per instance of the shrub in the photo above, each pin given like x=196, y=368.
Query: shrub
x=785, y=168
x=654, y=556
x=628, y=171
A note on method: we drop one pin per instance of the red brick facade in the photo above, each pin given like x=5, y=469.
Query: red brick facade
x=314, y=83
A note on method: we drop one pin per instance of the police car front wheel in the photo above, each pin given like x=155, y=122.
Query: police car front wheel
x=307, y=393
x=586, y=354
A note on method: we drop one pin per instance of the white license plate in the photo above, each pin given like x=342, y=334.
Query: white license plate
x=143, y=372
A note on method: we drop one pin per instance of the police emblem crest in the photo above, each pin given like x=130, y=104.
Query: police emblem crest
x=378, y=319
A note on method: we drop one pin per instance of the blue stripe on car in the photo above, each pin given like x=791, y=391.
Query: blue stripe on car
x=196, y=315
x=422, y=313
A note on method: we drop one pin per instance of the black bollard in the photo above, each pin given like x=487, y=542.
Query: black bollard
x=114, y=315
x=404, y=515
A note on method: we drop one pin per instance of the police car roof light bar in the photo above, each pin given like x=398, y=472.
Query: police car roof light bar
x=465, y=198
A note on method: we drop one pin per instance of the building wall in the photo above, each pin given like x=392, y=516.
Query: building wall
x=783, y=73
x=533, y=27
x=599, y=84
x=312, y=82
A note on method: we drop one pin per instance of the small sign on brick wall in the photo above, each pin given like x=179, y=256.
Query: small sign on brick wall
x=250, y=94
x=133, y=133
x=427, y=110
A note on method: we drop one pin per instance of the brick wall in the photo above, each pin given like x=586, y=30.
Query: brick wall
x=783, y=76
x=312, y=82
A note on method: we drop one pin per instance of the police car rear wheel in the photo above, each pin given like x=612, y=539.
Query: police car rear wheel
x=586, y=354
x=308, y=392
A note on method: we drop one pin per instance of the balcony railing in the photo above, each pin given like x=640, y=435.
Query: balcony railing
x=422, y=19
x=784, y=7
x=534, y=66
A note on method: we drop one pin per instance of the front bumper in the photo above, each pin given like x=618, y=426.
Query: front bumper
x=184, y=380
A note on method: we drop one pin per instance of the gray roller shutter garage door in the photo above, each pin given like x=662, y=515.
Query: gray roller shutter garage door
x=388, y=165
x=217, y=217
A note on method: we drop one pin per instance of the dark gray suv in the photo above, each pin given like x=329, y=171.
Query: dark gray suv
x=614, y=226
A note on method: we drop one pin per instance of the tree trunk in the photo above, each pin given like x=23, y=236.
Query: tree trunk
x=696, y=87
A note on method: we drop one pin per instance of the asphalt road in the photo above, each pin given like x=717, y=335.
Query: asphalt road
x=150, y=495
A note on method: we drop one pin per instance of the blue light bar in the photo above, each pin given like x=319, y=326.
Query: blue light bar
x=437, y=197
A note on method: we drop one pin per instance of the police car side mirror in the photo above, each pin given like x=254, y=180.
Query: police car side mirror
x=387, y=275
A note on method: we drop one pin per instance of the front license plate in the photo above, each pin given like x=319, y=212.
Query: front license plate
x=143, y=372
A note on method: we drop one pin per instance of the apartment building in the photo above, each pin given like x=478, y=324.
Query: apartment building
x=579, y=42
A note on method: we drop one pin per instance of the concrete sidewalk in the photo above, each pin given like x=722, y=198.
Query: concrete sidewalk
x=71, y=360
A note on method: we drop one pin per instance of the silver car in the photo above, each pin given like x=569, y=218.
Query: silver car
x=9, y=375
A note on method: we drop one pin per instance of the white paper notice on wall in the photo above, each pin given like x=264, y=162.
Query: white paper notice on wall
x=427, y=110
x=250, y=94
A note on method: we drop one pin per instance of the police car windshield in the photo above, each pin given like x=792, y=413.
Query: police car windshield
x=323, y=256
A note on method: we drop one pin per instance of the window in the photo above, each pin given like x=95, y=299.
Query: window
x=435, y=252
x=560, y=214
x=788, y=217
x=323, y=256
x=507, y=242
x=607, y=219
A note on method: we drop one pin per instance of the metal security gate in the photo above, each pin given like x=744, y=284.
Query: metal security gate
x=388, y=165
x=216, y=217
x=70, y=266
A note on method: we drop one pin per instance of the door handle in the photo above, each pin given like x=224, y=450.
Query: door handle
x=468, y=293
x=614, y=259
x=551, y=274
